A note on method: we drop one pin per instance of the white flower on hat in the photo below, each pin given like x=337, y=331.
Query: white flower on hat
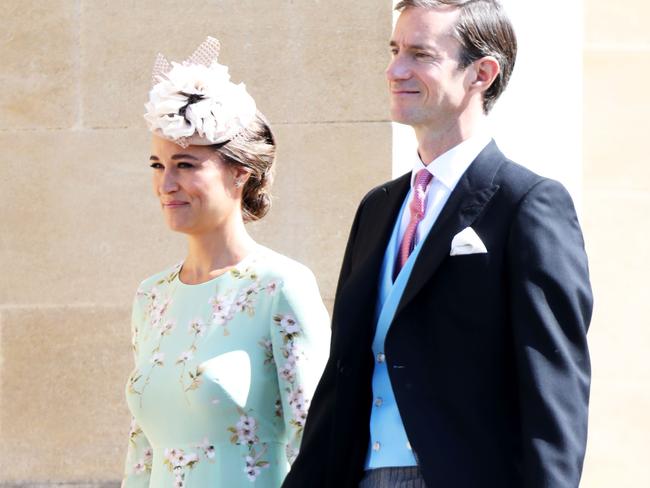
x=194, y=103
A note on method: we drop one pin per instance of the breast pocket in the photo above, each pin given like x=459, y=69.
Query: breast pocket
x=470, y=287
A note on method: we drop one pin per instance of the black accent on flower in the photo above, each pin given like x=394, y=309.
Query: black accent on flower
x=191, y=98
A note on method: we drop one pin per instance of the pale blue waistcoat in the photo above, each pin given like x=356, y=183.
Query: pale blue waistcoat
x=389, y=445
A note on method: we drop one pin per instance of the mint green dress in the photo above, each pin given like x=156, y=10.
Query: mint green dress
x=224, y=371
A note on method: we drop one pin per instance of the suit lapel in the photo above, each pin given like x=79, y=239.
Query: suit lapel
x=382, y=212
x=472, y=193
x=357, y=298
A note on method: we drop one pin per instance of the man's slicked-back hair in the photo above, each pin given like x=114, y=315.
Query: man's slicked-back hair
x=483, y=29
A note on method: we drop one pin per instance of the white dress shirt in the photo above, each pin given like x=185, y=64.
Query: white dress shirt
x=446, y=169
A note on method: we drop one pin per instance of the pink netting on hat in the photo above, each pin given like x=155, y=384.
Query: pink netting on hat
x=183, y=142
x=206, y=53
x=160, y=67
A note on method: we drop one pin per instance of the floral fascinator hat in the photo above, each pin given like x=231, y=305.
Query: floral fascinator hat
x=194, y=102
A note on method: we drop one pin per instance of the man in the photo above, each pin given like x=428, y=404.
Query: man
x=459, y=355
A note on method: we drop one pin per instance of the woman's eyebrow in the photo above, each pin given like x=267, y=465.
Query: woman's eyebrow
x=175, y=157
x=184, y=156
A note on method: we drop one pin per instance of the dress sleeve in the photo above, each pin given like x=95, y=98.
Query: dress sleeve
x=300, y=335
x=139, y=456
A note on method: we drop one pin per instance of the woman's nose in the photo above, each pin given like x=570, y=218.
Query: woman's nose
x=169, y=184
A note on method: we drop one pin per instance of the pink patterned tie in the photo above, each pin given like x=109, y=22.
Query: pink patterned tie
x=416, y=207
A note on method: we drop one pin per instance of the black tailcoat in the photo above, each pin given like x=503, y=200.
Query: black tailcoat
x=487, y=353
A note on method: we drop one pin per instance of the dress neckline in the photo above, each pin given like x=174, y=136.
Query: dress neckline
x=236, y=267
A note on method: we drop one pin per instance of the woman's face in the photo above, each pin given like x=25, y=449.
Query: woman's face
x=195, y=187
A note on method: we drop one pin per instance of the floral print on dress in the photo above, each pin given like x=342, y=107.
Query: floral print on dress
x=158, y=304
x=143, y=464
x=179, y=462
x=245, y=434
x=272, y=287
x=226, y=305
x=176, y=328
x=267, y=345
x=222, y=311
x=134, y=431
x=207, y=448
x=289, y=330
x=196, y=328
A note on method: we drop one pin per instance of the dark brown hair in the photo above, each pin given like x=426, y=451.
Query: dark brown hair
x=483, y=29
x=253, y=149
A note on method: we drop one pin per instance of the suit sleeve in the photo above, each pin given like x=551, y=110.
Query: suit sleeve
x=139, y=455
x=551, y=304
x=310, y=467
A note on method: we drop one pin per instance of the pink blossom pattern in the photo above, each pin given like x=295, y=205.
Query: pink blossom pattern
x=197, y=329
x=290, y=329
x=267, y=345
x=226, y=305
x=155, y=315
x=178, y=461
x=207, y=448
x=272, y=287
x=244, y=433
x=143, y=465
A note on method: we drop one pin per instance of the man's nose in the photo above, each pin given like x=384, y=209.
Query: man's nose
x=398, y=69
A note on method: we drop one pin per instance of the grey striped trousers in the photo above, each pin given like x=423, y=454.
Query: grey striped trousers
x=399, y=477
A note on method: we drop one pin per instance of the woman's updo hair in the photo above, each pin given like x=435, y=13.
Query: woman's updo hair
x=253, y=149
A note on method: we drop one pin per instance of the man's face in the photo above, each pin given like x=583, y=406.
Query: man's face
x=427, y=89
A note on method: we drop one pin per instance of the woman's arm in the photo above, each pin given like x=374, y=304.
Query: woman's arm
x=300, y=336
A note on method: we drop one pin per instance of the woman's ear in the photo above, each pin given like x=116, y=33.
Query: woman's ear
x=240, y=175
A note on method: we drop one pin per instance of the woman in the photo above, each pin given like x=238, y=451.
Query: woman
x=230, y=343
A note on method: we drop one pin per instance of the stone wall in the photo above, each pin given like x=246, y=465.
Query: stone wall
x=79, y=226
x=616, y=208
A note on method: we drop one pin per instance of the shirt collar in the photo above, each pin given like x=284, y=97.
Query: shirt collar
x=450, y=166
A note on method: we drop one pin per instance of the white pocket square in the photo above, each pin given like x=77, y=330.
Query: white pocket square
x=467, y=241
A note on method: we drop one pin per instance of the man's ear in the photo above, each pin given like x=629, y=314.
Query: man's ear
x=486, y=70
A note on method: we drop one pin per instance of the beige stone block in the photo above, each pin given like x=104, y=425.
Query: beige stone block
x=619, y=429
x=80, y=224
x=329, y=304
x=617, y=230
x=617, y=22
x=615, y=119
x=38, y=49
x=302, y=61
x=323, y=172
x=64, y=371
